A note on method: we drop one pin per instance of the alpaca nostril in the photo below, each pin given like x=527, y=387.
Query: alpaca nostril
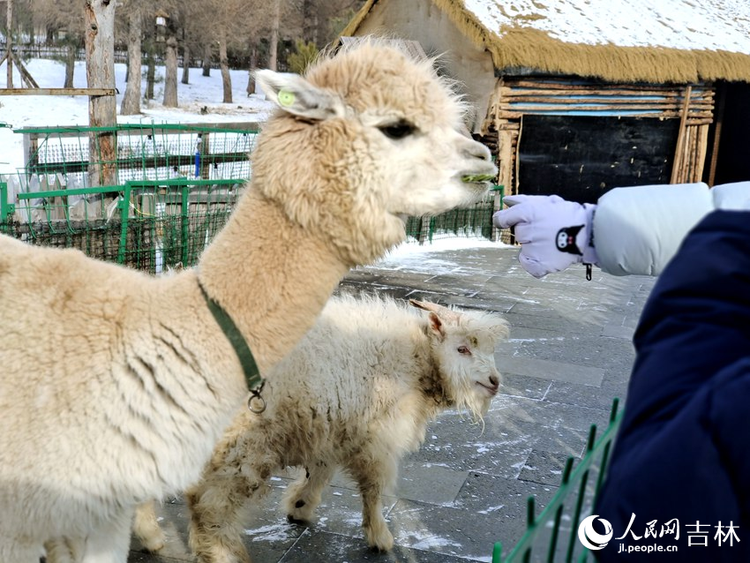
x=494, y=380
x=479, y=151
x=476, y=150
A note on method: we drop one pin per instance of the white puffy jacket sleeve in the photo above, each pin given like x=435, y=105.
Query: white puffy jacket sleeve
x=637, y=230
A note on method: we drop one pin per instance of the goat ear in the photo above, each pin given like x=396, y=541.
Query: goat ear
x=436, y=326
x=444, y=312
x=500, y=330
x=297, y=96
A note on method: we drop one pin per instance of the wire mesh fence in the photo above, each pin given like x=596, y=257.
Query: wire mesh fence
x=473, y=221
x=149, y=225
x=153, y=196
x=80, y=157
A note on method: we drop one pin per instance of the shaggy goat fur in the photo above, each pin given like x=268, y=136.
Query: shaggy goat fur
x=357, y=394
x=115, y=385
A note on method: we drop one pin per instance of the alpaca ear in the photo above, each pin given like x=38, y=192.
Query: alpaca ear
x=297, y=96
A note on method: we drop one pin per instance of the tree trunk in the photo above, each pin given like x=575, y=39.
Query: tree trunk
x=251, y=73
x=100, y=73
x=9, y=43
x=310, y=21
x=273, y=62
x=70, y=64
x=226, y=79
x=131, y=101
x=170, y=73
x=207, y=60
x=186, y=65
x=150, y=72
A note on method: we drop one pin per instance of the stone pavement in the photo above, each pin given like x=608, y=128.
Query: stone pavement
x=568, y=356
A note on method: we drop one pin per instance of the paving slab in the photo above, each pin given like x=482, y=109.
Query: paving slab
x=568, y=356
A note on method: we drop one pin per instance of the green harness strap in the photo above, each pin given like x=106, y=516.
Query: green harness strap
x=247, y=361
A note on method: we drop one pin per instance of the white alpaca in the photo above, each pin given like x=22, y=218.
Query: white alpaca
x=115, y=385
x=356, y=393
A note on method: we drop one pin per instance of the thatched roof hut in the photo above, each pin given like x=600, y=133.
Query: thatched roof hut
x=595, y=76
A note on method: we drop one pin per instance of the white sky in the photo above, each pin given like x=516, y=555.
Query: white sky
x=680, y=24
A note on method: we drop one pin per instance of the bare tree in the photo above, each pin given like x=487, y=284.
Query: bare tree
x=131, y=101
x=170, y=73
x=273, y=58
x=185, y=63
x=228, y=21
x=64, y=19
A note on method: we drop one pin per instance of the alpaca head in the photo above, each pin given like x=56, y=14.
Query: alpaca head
x=368, y=137
x=463, y=342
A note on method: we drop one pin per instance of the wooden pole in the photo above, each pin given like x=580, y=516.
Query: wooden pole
x=680, y=150
x=717, y=136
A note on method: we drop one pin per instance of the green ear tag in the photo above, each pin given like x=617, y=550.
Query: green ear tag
x=286, y=98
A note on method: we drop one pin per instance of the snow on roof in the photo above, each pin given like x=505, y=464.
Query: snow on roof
x=653, y=41
x=677, y=24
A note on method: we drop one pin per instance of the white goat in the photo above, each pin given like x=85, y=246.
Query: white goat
x=357, y=393
x=115, y=385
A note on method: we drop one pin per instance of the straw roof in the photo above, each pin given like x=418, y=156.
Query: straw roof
x=617, y=40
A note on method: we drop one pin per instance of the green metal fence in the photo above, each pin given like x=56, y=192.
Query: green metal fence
x=553, y=535
x=153, y=196
x=80, y=157
x=149, y=225
x=474, y=221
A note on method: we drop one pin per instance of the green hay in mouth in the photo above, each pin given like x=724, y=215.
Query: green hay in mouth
x=471, y=179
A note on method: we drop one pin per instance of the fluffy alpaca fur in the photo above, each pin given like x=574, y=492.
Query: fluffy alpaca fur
x=116, y=385
x=357, y=393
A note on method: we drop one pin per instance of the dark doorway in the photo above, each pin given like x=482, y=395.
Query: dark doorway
x=733, y=118
x=582, y=157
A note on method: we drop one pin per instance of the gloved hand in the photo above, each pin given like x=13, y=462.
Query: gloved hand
x=554, y=233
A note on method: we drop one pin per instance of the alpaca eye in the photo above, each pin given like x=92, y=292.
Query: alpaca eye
x=398, y=130
x=464, y=350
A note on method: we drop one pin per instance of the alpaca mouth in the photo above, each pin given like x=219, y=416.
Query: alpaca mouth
x=491, y=389
x=477, y=178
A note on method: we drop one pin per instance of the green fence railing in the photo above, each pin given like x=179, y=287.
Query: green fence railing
x=553, y=535
x=473, y=221
x=81, y=156
x=148, y=225
x=152, y=196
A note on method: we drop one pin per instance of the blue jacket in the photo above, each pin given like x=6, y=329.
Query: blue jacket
x=683, y=450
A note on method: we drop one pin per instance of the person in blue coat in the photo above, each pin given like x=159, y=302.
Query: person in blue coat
x=678, y=485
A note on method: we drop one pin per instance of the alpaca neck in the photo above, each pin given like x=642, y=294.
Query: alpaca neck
x=270, y=275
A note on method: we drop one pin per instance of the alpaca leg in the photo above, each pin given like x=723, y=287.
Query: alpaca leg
x=373, y=476
x=303, y=496
x=146, y=527
x=110, y=542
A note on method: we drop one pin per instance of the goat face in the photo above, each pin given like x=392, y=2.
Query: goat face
x=463, y=344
